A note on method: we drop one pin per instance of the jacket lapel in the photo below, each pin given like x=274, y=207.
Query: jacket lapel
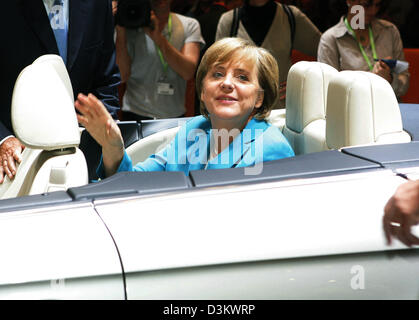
x=240, y=147
x=36, y=17
x=197, y=151
x=78, y=15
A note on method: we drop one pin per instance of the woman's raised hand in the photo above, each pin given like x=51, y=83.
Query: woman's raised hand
x=99, y=123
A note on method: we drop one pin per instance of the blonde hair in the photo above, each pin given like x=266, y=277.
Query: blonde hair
x=236, y=49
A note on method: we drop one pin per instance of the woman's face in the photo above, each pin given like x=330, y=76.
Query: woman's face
x=371, y=8
x=231, y=91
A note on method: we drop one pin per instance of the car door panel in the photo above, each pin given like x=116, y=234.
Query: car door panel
x=62, y=252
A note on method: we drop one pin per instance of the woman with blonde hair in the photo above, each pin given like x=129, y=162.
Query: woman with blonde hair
x=237, y=83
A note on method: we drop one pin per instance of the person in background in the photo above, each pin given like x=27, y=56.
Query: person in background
x=346, y=48
x=401, y=213
x=182, y=7
x=208, y=13
x=156, y=61
x=238, y=86
x=232, y=4
x=267, y=24
x=81, y=32
x=319, y=12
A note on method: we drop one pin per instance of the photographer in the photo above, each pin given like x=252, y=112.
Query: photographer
x=156, y=60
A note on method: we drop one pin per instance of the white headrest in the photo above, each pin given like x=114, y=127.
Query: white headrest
x=361, y=107
x=58, y=63
x=307, y=86
x=43, y=114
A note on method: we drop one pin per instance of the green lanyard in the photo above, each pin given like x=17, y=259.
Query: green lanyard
x=374, y=52
x=164, y=62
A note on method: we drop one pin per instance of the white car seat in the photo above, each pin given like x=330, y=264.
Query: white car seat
x=307, y=86
x=44, y=120
x=59, y=66
x=152, y=144
x=362, y=109
x=277, y=118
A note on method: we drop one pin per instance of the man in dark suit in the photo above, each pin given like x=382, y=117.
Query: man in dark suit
x=87, y=49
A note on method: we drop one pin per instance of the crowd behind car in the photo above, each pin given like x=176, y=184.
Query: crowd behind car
x=321, y=16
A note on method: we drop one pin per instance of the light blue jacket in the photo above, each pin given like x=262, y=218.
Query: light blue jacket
x=189, y=150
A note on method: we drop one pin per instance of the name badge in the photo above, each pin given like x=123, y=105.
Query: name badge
x=165, y=88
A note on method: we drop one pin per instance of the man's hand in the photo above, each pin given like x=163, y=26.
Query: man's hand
x=401, y=213
x=10, y=153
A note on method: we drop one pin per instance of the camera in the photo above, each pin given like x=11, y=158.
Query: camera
x=133, y=14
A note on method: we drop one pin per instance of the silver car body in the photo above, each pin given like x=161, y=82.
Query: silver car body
x=298, y=238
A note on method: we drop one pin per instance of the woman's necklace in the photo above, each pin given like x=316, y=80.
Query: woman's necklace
x=364, y=39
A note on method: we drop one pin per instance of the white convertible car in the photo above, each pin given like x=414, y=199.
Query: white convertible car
x=307, y=227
